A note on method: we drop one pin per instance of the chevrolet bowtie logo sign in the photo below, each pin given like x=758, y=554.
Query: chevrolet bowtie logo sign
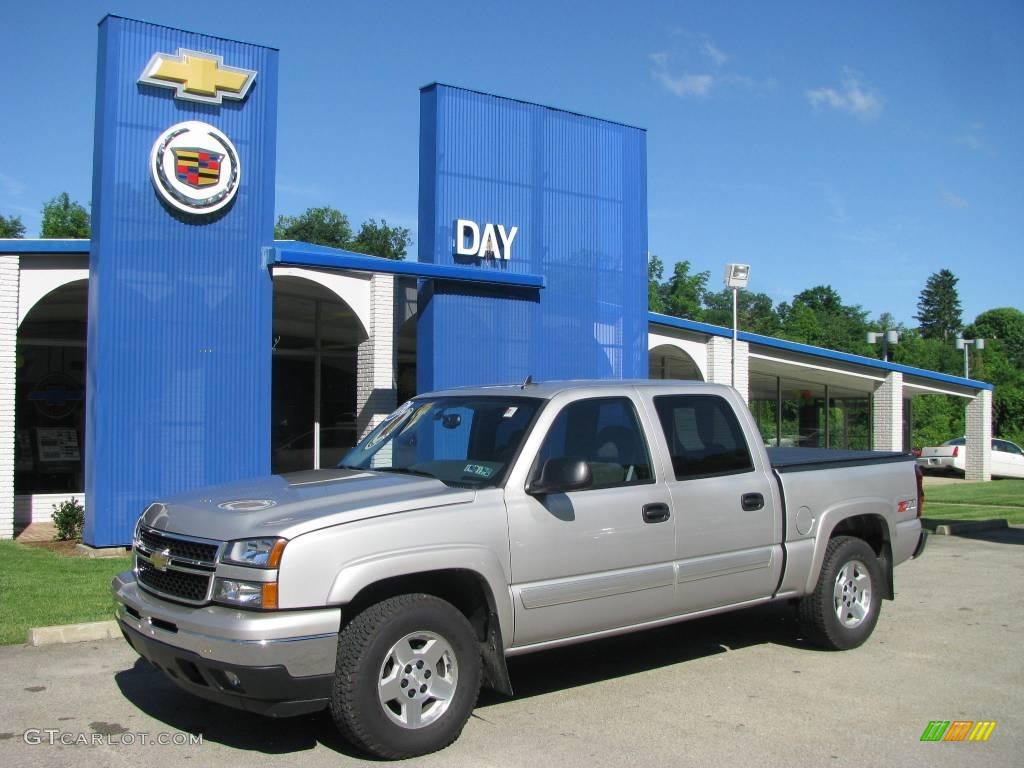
x=198, y=76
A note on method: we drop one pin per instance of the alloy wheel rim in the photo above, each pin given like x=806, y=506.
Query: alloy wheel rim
x=852, y=594
x=417, y=680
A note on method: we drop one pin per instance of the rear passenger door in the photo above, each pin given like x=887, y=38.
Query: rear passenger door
x=593, y=559
x=728, y=530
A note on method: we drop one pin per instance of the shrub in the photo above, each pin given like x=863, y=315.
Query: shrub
x=69, y=517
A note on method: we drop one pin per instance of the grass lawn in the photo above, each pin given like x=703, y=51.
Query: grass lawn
x=974, y=501
x=40, y=588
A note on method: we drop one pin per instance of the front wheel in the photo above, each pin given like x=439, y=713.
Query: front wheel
x=842, y=611
x=407, y=676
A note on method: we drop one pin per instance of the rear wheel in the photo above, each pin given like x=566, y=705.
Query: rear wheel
x=407, y=677
x=842, y=611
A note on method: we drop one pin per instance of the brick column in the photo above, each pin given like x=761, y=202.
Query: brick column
x=887, y=415
x=979, y=435
x=375, y=377
x=720, y=364
x=8, y=356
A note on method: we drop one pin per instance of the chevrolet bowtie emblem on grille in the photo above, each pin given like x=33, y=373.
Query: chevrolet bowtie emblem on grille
x=197, y=76
x=160, y=560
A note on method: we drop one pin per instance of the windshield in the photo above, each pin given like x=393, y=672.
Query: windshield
x=467, y=442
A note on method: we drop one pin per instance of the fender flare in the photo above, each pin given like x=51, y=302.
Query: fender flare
x=864, y=507
x=356, y=575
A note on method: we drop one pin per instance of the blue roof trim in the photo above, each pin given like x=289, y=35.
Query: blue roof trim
x=36, y=245
x=291, y=252
x=812, y=351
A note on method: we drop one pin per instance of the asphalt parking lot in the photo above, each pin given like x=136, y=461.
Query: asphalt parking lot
x=734, y=689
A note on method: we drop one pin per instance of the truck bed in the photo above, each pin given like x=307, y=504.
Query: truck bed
x=803, y=459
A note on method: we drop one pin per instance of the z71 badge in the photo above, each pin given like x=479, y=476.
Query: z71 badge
x=195, y=168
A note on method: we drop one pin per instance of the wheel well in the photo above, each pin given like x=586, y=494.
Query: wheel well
x=463, y=589
x=873, y=530
x=468, y=592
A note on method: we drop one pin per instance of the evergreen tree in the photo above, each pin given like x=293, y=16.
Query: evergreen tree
x=938, y=309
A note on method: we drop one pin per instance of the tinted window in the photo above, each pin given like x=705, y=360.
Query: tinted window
x=1005, y=446
x=956, y=441
x=703, y=436
x=606, y=434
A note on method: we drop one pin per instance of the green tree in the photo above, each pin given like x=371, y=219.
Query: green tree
x=818, y=316
x=655, y=273
x=378, y=239
x=683, y=294
x=938, y=308
x=754, y=311
x=322, y=226
x=1005, y=325
x=11, y=227
x=63, y=217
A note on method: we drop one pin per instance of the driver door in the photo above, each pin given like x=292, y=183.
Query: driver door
x=590, y=560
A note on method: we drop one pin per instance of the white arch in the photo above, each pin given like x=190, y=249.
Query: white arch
x=694, y=351
x=353, y=288
x=43, y=274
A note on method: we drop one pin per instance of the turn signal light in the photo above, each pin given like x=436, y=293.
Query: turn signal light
x=269, y=596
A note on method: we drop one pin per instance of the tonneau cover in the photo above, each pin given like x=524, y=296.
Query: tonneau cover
x=799, y=459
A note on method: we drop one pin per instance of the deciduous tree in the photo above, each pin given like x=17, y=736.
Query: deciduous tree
x=63, y=217
x=11, y=226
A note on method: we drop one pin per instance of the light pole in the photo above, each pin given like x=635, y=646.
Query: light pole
x=962, y=343
x=888, y=337
x=736, y=276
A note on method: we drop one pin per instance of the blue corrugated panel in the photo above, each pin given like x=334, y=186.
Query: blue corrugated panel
x=575, y=187
x=179, y=309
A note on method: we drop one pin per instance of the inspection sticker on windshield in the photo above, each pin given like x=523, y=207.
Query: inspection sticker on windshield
x=509, y=412
x=479, y=470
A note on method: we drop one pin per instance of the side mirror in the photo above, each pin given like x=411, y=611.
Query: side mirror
x=561, y=476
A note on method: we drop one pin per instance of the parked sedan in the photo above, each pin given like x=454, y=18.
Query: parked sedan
x=951, y=456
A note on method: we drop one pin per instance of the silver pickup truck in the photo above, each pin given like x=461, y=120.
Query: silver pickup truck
x=476, y=524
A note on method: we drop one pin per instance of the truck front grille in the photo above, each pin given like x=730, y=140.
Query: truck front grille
x=178, y=585
x=184, y=549
x=174, y=566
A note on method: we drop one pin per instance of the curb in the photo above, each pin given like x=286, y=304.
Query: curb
x=73, y=633
x=965, y=526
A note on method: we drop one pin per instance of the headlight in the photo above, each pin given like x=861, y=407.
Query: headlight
x=246, y=594
x=255, y=553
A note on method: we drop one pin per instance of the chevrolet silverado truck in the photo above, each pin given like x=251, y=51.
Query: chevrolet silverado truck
x=476, y=524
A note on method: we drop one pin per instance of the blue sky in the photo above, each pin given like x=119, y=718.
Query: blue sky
x=865, y=145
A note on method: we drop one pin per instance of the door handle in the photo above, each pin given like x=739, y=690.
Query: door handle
x=752, y=502
x=656, y=513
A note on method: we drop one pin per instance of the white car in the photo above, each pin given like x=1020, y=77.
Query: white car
x=951, y=456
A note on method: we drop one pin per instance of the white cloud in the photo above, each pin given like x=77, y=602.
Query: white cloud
x=972, y=138
x=685, y=84
x=660, y=58
x=715, y=53
x=10, y=185
x=954, y=200
x=854, y=97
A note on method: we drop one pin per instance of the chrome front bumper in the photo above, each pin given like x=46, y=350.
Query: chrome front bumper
x=304, y=642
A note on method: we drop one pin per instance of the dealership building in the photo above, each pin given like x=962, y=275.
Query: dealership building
x=182, y=346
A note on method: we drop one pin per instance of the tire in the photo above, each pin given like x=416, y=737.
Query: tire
x=407, y=677
x=842, y=611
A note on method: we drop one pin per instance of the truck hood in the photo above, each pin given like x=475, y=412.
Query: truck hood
x=293, y=504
